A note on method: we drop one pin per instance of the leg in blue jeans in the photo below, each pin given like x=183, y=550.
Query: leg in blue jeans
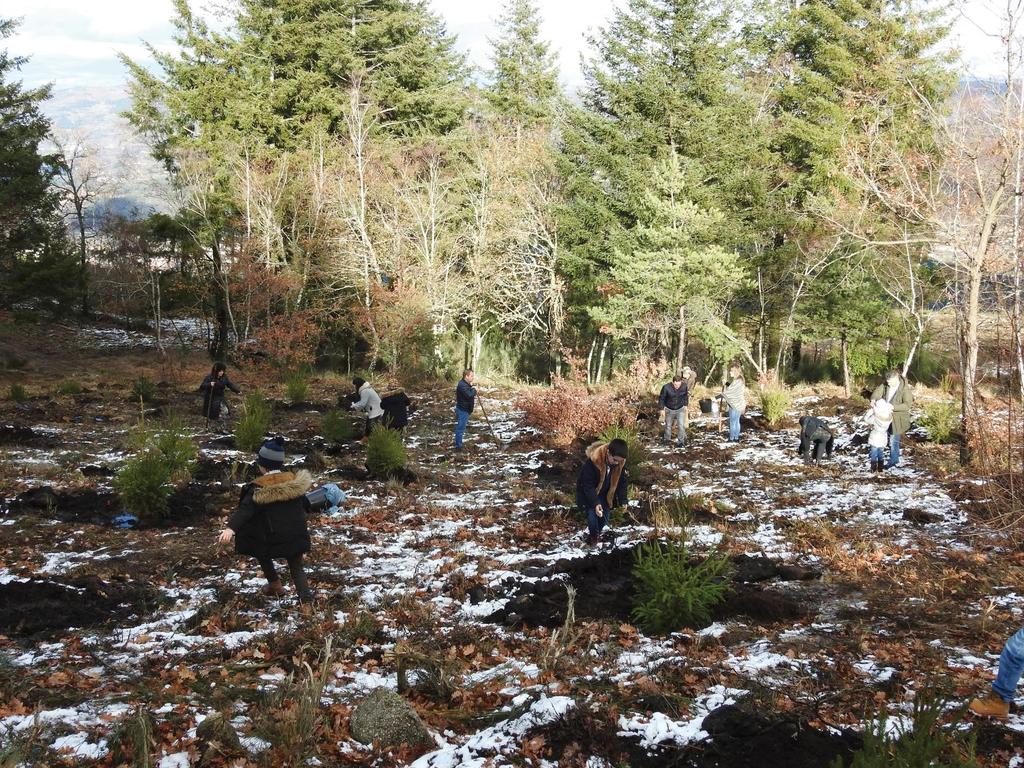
x=461, y=420
x=1011, y=664
x=894, y=450
x=734, y=424
x=876, y=454
x=595, y=523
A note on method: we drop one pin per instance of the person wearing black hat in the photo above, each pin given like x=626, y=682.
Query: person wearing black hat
x=270, y=521
x=601, y=484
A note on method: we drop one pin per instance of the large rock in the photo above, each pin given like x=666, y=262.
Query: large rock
x=387, y=719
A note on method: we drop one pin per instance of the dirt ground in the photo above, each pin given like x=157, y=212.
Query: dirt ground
x=851, y=592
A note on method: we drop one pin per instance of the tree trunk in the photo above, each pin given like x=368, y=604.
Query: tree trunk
x=681, y=349
x=796, y=352
x=219, y=347
x=83, y=254
x=600, y=360
x=590, y=361
x=970, y=365
x=844, y=346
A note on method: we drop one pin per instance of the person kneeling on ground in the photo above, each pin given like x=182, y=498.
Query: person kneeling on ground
x=879, y=418
x=602, y=484
x=816, y=439
x=270, y=521
x=673, y=400
x=1011, y=664
x=369, y=401
x=397, y=406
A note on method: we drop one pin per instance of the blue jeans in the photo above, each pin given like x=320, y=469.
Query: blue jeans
x=894, y=450
x=876, y=454
x=461, y=420
x=1011, y=664
x=595, y=523
x=734, y=424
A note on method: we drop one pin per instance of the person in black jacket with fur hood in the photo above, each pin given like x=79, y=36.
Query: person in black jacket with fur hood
x=270, y=521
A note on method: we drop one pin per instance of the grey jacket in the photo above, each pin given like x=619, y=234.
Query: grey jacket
x=368, y=401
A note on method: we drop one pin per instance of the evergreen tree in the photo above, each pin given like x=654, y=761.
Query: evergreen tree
x=679, y=275
x=286, y=67
x=28, y=206
x=524, y=77
x=666, y=80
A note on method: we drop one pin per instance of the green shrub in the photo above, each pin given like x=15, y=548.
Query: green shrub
x=253, y=423
x=941, y=420
x=385, y=452
x=17, y=393
x=143, y=389
x=671, y=593
x=164, y=457
x=178, y=450
x=144, y=484
x=70, y=387
x=775, y=401
x=338, y=426
x=296, y=387
x=922, y=744
x=638, y=453
x=679, y=511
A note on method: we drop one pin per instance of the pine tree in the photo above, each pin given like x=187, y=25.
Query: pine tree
x=29, y=232
x=524, y=78
x=666, y=80
x=679, y=275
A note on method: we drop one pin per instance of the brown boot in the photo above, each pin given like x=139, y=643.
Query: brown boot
x=990, y=706
x=274, y=589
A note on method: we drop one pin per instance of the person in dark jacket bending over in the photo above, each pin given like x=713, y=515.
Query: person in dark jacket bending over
x=673, y=400
x=270, y=521
x=602, y=484
x=898, y=393
x=465, y=399
x=816, y=439
x=213, y=387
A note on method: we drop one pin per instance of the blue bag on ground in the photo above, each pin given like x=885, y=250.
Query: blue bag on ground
x=329, y=494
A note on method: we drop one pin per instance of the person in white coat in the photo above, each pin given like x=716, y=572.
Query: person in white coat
x=369, y=402
x=879, y=418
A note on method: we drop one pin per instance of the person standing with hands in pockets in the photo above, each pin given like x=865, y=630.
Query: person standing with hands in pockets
x=465, y=399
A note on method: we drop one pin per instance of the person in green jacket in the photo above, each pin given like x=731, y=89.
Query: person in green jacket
x=897, y=392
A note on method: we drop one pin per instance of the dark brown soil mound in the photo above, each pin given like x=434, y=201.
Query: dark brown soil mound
x=38, y=608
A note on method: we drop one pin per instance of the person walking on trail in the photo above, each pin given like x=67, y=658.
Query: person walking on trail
x=465, y=399
x=735, y=396
x=270, y=521
x=816, y=439
x=213, y=387
x=673, y=400
x=879, y=418
x=601, y=485
x=1011, y=665
x=897, y=392
x=690, y=379
x=368, y=402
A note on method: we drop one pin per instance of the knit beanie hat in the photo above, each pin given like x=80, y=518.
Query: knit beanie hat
x=271, y=454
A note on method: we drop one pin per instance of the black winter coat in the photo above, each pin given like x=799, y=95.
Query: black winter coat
x=673, y=398
x=396, y=409
x=813, y=432
x=271, y=517
x=213, y=394
x=465, y=396
x=588, y=496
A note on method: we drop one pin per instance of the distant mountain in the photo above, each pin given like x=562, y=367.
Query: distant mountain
x=95, y=112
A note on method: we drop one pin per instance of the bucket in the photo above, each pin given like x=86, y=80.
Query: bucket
x=317, y=497
x=705, y=405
